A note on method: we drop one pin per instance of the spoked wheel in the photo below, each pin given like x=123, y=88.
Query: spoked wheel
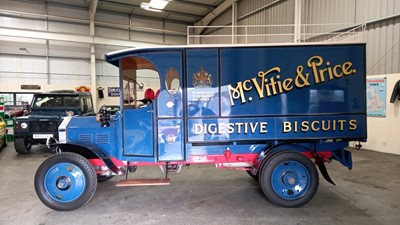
x=65, y=181
x=22, y=145
x=289, y=179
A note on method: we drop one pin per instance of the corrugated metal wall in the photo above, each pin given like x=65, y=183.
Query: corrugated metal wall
x=382, y=18
x=55, y=62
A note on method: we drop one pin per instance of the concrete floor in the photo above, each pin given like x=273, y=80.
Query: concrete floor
x=202, y=194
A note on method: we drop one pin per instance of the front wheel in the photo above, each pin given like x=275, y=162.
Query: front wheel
x=22, y=145
x=289, y=179
x=65, y=181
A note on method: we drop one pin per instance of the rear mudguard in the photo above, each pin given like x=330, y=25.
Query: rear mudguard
x=89, y=151
x=264, y=155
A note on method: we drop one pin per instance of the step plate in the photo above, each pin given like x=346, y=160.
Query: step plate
x=142, y=182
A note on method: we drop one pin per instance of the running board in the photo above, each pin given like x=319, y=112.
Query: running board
x=142, y=182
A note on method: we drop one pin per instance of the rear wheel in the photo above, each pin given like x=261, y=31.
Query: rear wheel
x=289, y=179
x=22, y=145
x=65, y=181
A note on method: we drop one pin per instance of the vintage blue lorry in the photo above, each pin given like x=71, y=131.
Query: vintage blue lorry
x=277, y=112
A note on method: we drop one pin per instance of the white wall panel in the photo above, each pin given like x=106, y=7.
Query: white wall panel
x=112, y=33
x=21, y=23
x=147, y=23
x=174, y=40
x=18, y=46
x=75, y=67
x=68, y=28
x=70, y=80
x=146, y=37
x=69, y=49
x=22, y=69
x=22, y=64
x=68, y=12
x=22, y=6
x=117, y=19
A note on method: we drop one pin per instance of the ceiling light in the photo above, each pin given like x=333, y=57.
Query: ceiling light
x=154, y=5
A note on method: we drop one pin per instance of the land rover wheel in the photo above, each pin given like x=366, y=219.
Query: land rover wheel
x=22, y=145
x=289, y=179
x=65, y=181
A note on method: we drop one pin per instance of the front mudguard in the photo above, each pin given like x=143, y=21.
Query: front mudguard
x=87, y=150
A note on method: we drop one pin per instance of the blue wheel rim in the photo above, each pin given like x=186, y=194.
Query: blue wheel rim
x=64, y=182
x=290, y=180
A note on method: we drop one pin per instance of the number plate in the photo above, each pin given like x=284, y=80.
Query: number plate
x=42, y=136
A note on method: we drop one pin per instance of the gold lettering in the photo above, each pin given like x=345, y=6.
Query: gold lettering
x=304, y=78
x=305, y=126
x=287, y=127
x=324, y=127
x=329, y=70
x=335, y=71
x=287, y=84
x=341, y=124
x=245, y=87
x=321, y=75
x=313, y=126
x=346, y=68
x=314, y=64
x=235, y=93
x=352, y=124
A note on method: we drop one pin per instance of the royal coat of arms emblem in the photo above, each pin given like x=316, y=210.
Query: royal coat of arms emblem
x=202, y=79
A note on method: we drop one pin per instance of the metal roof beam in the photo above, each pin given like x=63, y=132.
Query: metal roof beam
x=213, y=14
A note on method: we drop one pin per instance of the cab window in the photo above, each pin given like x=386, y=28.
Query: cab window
x=140, y=82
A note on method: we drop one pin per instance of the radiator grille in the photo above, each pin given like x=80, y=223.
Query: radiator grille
x=87, y=138
x=43, y=126
x=102, y=139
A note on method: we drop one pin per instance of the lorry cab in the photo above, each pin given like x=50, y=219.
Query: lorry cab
x=277, y=112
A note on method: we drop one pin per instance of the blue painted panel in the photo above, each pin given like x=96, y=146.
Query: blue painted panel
x=276, y=128
x=169, y=67
x=138, y=131
x=86, y=129
x=270, y=81
x=170, y=140
x=203, y=83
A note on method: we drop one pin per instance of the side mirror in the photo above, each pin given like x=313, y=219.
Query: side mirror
x=395, y=92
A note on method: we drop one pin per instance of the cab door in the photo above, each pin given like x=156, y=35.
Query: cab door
x=137, y=74
x=152, y=128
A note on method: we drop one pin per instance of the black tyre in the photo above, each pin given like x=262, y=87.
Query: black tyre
x=22, y=145
x=101, y=178
x=65, y=181
x=255, y=177
x=289, y=179
x=4, y=142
